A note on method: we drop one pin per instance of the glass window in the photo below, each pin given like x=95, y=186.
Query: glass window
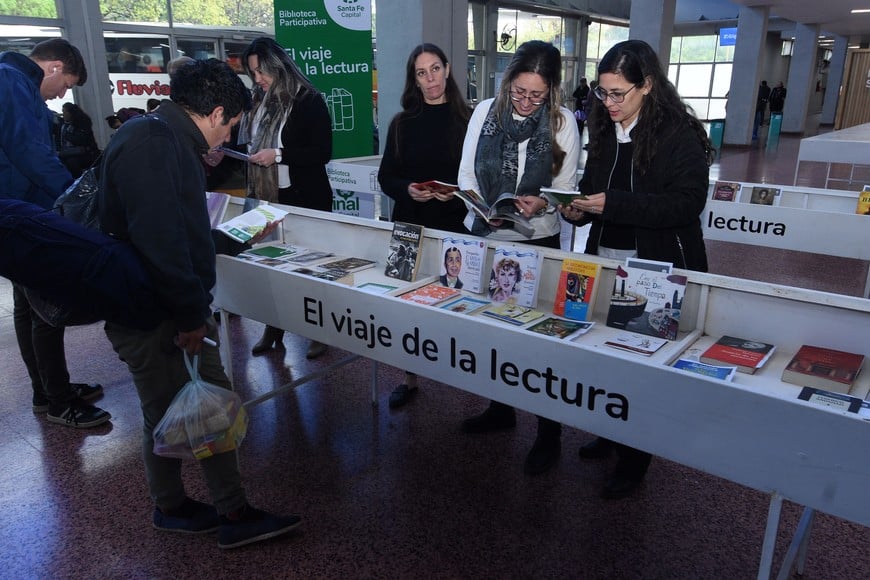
x=197, y=48
x=136, y=53
x=717, y=109
x=33, y=8
x=721, y=80
x=474, y=89
x=233, y=55
x=22, y=39
x=699, y=106
x=698, y=48
x=694, y=80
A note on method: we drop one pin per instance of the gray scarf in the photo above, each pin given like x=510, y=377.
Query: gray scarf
x=263, y=181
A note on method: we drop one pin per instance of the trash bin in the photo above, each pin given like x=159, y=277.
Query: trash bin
x=717, y=133
x=775, y=126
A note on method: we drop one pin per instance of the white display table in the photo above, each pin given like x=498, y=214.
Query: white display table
x=849, y=146
x=753, y=431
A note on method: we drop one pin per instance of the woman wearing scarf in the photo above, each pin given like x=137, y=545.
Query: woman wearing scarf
x=289, y=138
x=521, y=141
x=646, y=179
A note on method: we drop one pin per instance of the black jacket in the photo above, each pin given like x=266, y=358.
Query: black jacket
x=665, y=204
x=307, y=148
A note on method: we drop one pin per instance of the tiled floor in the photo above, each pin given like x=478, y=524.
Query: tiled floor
x=384, y=494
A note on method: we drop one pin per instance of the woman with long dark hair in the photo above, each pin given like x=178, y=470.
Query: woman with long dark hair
x=646, y=178
x=424, y=143
x=519, y=142
x=78, y=147
x=289, y=138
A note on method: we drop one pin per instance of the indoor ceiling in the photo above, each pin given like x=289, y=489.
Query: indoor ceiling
x=833, y=16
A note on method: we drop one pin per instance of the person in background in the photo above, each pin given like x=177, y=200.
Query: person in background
x=151, y=105
x=152, y=180
x=646, y=178
x=31, y=171
x=580, y=94
x=521, y=141
x=289, y=138
x=424, y=142
x=78, y=147
x=760, y=107
x=777, y=98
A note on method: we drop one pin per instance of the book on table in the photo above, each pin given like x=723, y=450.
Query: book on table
x=747, y=355
x=515, y=275
x=349, y=264
x=469, y=256
x=376, y=288
x=637, y=343
x=823, y=368
x=725, y=190
x=440, y=187
x=561, y=328
x=714, y=371
x=403, y=256
x=465, y=304
x=863, y=207
x=244, y=227
x=331, y=274
x=503, y=208
x=430, y=294
x=646, y=301
x=764, y=195
x=309, y=257
x=562, y=196
x=512, y=313
x=576, y=290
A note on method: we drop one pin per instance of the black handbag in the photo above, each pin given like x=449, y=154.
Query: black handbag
x=79, y=202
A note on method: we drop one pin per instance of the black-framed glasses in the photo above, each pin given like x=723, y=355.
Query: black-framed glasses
x=615, y=96
x=535, y=100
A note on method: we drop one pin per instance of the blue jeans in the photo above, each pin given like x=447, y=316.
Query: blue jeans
x=158, y=370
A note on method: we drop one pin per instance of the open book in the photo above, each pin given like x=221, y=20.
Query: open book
x=502, y=208
x=561, y=196
x=436, y=186
x=244, y=227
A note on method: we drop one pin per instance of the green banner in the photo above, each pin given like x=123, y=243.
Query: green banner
x=331, y=41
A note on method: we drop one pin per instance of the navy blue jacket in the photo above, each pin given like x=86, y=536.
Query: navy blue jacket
x=29, y=167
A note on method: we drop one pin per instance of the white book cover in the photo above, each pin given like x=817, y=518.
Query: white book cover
x=515, y=275
x=462, y=263
x=244, y=227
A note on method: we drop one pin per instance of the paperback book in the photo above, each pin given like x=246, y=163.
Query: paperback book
x=465, y=305
x=747, y=355
x=515, y=275
x=440, y=187
x=275, y=252
x=763, y=195
x=349, y=264
x=561, y=196
x=331, y=274
x=244, y=227
x=823, y=368
x=636, y=343
x=561, y=328
x=403, y=257
x=512, y=313
x=430, y=294
x=863, y=206
x=725, y=190
x=646, y=301
x=462, y=264
x=309, y=257
x=716, y=372
x=830, y=399
x=576, y=290
x=503, y=208
x=375, y=288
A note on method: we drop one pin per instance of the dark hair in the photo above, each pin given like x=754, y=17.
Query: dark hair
x=62, y=50
x=452, y=249
x=152, y=104
x=78, y=118
x=412, y=102
x=204, y=85
x=662, y=111
x=274, y=61
x=543, y=59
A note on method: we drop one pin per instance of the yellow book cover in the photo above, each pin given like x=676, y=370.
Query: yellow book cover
x=863, y=203
x=576, y=290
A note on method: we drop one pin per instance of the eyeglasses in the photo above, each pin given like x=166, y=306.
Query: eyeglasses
x=535, y=100
x=615, y=96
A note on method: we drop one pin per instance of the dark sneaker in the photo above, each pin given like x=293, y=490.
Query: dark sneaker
x=401, y=395
x=86, y=392
x=192, y=517
x=250, y=525
x=40, y=403
x=79, y=415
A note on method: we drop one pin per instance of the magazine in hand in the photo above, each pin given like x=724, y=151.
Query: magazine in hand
x=436, y=186
x=515, y=275
x=469, y=255
x=403, y=257
x=504, y=208
x=562, y=196
x=243, y=228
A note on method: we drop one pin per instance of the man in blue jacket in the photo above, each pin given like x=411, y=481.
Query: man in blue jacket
x=31, y=171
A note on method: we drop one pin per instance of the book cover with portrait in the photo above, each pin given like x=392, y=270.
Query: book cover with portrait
x=515, y=275
x=462, y=263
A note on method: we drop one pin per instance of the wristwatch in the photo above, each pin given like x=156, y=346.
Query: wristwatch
x=277, y=156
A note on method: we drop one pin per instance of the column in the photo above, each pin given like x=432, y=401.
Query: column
x=653, y=22
x=746, y=74
x=801, y=77
x=835, y=78
x=402, y=25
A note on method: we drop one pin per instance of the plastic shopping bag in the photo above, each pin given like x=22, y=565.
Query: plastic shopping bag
x=203, y=420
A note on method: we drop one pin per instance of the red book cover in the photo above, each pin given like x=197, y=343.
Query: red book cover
x=746, y=355
x=825, y=368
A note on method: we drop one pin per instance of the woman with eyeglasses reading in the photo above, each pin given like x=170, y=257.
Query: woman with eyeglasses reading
x=519, y=142
x=646, y=179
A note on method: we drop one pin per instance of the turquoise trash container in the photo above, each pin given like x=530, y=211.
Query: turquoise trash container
x=717, y=133
x=775, y=127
